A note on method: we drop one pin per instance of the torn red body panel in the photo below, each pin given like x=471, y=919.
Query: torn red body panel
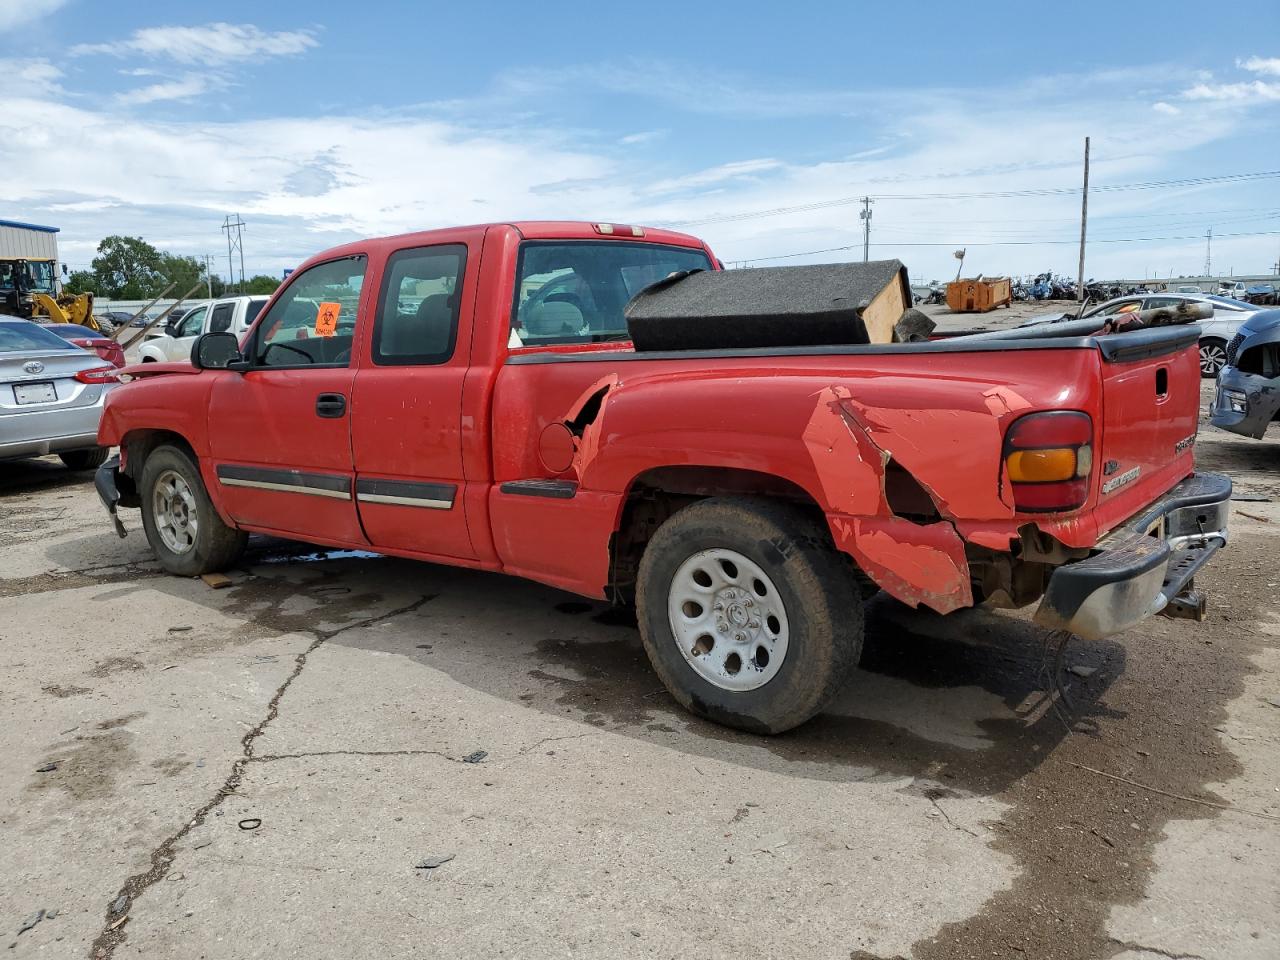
x=585, y=419
x=850, y=468
x=914, y=563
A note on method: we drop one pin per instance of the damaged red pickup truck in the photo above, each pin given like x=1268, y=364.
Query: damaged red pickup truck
x=473, y=396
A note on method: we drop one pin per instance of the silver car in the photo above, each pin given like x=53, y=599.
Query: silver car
x=1215, y=333
x=51, y=395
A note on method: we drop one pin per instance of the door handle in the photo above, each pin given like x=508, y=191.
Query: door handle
x=331, y=406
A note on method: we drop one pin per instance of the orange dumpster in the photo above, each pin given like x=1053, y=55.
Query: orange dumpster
x=979, y=295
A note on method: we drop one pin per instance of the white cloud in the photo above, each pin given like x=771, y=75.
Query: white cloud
x=1249, y=91
x=24, y=77
x=644, y=136
x=736, y=170
x=1168, y=109
x=304, y=183
x=213, y=44
x=1268, y=66
x=188, y=87
x=16, y=13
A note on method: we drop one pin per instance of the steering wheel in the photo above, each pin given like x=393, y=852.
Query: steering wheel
x=285, y=346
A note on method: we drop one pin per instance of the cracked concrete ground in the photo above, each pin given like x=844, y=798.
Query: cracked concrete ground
x=259, y=771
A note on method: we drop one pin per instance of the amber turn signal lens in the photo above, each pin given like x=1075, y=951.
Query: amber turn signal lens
x=1042, y=466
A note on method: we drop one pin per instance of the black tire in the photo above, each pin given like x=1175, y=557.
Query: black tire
x=90, y=459
x=1213, y=357
x=216, y=546
x=816, y=586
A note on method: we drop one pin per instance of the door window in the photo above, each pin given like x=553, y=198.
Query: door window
x=313, y=321
x=223, y=314
x=189, y=325
x=417, y=320
x=1154, y=303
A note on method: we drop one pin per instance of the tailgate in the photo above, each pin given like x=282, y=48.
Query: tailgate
x=1150, y=410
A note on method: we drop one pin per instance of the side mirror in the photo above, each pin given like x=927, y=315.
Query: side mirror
x=216, y=351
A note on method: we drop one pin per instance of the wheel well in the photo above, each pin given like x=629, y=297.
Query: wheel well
x=138, y=445
x=657, y=494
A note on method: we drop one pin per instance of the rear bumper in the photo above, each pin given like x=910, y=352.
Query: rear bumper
x=36, y=432
x=1146, y=567
x=17, y=449
x=1245, y=403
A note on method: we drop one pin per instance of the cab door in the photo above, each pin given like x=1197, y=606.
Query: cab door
x=179, y=346
x=280, y=435
x=406, y=417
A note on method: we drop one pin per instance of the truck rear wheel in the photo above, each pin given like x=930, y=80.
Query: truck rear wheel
x=748, y=613
x=183, y=528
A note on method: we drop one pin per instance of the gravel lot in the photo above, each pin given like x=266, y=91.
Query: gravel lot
x=261, y=771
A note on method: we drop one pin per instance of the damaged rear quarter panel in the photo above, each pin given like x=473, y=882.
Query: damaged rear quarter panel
x=828, y=425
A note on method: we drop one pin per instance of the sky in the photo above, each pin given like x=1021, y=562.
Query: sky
x=756, y=126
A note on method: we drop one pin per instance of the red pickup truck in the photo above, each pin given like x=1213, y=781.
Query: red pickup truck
x=472, y=396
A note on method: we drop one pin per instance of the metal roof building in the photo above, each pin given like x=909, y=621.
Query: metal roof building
x=29, y=241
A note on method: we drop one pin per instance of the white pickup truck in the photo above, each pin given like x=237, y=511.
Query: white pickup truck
x=230, y=314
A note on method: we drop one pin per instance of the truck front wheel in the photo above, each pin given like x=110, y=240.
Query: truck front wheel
x=183, y=528
x=748, y=613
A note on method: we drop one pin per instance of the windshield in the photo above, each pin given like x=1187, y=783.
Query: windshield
x=33, y=275
x=574, y=291
x=41, y=275
x=21, y=336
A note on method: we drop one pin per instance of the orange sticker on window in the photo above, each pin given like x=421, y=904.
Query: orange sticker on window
x=327, y=319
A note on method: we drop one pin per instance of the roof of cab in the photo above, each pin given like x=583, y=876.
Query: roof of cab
x=529, y=229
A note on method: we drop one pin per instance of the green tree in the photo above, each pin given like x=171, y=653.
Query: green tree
x=186, y=272
x=81, y=281
x=127, y=268
x=261, y=283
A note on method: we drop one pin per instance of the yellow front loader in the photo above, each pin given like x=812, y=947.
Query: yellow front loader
x=28, y=290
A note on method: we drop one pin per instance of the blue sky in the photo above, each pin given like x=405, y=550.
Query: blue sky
x=321, y=122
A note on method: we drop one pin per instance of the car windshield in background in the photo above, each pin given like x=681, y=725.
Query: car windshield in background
x=18, y=335
x=575, y=291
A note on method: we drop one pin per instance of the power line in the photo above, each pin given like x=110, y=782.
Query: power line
x=1001, y=243
x=980, y=195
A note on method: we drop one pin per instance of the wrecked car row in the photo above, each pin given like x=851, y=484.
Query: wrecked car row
x=741, y=455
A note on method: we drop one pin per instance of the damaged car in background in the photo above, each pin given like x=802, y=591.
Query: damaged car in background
x=745, y=456
x=1247, y=400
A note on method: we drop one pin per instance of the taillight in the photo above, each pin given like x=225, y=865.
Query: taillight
x=1048, y=458
x=97, y=375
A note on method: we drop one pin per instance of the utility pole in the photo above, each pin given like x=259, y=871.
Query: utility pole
x=1208, y=252
x=234, y=243
x=1084, y=222
x=208, y=273
x=865, y=216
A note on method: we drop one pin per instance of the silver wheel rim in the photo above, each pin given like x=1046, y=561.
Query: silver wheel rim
x=728, y=620
x=173, y=506
x=1212, y=358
